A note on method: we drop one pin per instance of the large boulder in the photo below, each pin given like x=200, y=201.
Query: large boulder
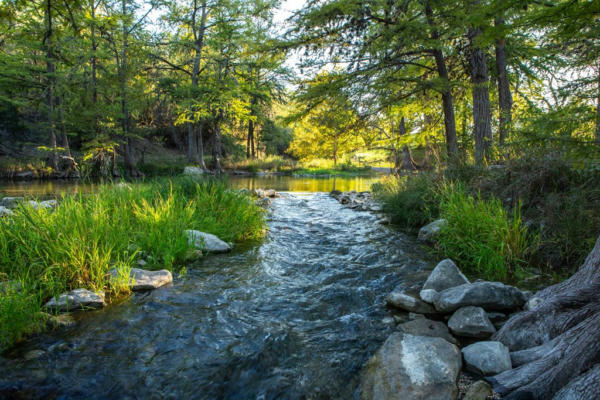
x=193, y=171
x=427, y=327
x=77, y=299
x=141, y=279
x=429, y=232
x=487, y=358
x=410, y=303
x=207, y=242
x=412, y=367
x=444, y=276
x=489, y=295
x=471, y=322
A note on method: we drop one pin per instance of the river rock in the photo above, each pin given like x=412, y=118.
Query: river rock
x=489, y=295
x=4, y=211
x=480, y=390
x=429, y=295
x=47, y=204
x=412, y=367
x=429, y=232
x=11, y=202
x=33, y=354
x=407, y=302
x=263, y=202
x=471, y=322
x=207, y=242
x=487, y=358
x=75, y=300
x=193, y=171
x=444, y=276
x=427, y=327
x=271, y=193
x=141, y=279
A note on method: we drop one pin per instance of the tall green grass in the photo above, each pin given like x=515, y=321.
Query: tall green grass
x=481, y=235
x=75, y=245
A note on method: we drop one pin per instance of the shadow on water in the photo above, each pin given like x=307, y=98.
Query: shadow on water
x=293, y=318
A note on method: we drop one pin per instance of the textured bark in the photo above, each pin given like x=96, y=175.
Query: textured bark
x=447, y=100
x=482, y=128
x=598, y=106
x=250, y=142
x=51, y=83
x=94, y=61
x=558, y=340
x=504, y=95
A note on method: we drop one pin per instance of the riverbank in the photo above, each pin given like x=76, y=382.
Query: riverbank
x=46, y=251
x=526, y=222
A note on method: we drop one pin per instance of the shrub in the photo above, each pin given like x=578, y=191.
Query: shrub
x=411, y=201
x=481, y=235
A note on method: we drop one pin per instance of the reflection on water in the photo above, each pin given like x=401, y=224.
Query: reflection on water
x=279, y=183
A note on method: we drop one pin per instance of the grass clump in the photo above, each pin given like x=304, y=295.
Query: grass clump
x=412, y=201
x=50, y=252
x=481, y=235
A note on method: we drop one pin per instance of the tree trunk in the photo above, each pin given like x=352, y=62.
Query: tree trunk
x=217, y=148
x=94, y=60
x=482, y=128
x=598, y=107
x=250, y=147
x=557, y=341
x=63, y=127
x=447, y=100
x=195, y=145
x=51, y=83
x=504, y=96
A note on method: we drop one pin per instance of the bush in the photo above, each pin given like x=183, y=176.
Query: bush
x=411, y=201
x=75, y=245
x=481, y=236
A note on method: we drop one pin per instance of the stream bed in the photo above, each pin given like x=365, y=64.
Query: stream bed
x=293, y=317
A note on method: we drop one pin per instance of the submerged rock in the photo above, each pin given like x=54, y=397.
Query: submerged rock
x=471, y=322
x=480, y=390
x=444, y=276
x=77, y=299
x=429, y=232
x=141, y=279
x=207, y=242
x=412, y=367
x=193, y=171
x=427, y=327
x=487, y=358
x=407, y=302
x=489, y=295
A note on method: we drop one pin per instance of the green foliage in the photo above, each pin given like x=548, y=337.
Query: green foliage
x=86, y=235
x=481, y=236
x=412, y=201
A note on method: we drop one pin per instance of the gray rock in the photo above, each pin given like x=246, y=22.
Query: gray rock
x=444, y=276
x=11, y=202
x=480, y=390
x=407, y=302
x=193, y=171
x=489, y=295
x=263, y=202
x=427, y=327
x=271, y=193
x=78, y=299
x=496, y=316
x=4, y=212
x=412, y=367
x=141, y=279
x=487, y=358
x=429, y=295
x=47, y=204
x=429, y=232
x=471, y=322
x=207, y=242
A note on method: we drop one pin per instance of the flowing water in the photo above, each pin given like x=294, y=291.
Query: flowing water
x=294, y=317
